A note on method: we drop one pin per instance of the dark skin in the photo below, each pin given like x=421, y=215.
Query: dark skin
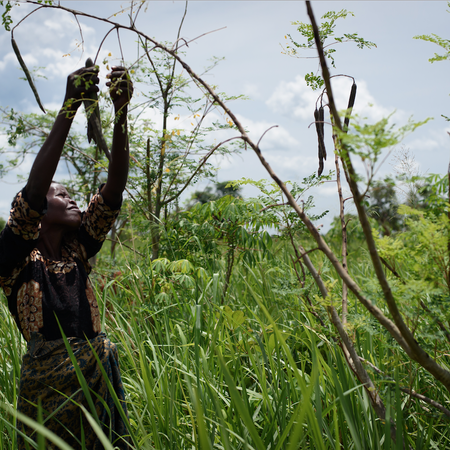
x=63, y=215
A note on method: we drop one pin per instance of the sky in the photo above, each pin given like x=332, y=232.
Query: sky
x=395, y=77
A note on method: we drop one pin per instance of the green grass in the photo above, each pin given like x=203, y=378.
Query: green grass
x=258, y=373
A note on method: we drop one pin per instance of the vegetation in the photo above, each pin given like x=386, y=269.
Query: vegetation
x=239, y=324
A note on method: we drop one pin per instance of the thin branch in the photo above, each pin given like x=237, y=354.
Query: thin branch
x=200, y=36
x=205, y=158
x=124, y=245
x=410, y=392
x=274, y=206
x=304, y=252
x=120, y=46
x=344, y=237
x=81, y=33
x=102, y=42
x=26, y=17
x=273, y=126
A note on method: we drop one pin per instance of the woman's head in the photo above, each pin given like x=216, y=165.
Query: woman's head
x=62, y=212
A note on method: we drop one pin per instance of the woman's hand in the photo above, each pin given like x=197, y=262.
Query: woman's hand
x=120, y=87
x=80, y=84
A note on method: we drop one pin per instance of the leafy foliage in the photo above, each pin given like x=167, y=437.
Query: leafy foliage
x=326, y=31
x=435, y=39
x=6, y=16
x=370, y=141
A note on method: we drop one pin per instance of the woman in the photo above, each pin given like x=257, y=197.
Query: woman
x=44, y=252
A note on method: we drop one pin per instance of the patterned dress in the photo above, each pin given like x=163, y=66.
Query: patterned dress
x=45, y=296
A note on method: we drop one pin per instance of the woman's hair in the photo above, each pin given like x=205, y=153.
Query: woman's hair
x=22, y=190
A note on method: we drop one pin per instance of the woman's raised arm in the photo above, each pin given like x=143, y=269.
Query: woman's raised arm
x=79, y=83
x=121, y=91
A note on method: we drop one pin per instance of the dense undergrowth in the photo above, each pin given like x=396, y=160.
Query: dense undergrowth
x=255, y=369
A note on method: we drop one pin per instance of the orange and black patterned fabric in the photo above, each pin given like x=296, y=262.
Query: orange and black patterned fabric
x=49, y=377
x=38, y=288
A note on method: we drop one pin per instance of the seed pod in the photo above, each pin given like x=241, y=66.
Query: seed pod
x=91, y=108
x=27, y=74
x=318, y=117
x=351, y=102
x=322, y=130
x=320, y=169
x=94, y=127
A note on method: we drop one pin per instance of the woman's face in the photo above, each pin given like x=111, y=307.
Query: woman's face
x=62, y=211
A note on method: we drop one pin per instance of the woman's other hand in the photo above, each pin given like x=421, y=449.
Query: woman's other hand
x=80, y=84
x=120, y=87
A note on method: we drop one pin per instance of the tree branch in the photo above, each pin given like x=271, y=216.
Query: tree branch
x=404, y=337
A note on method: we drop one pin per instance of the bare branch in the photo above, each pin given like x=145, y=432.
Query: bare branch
x=410, y=392
x=205, y=158
x=273, y=126
x=124, y=245
x=102, y=42
x=274, y=206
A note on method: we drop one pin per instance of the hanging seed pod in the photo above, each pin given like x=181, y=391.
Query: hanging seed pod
x=94, y=127
x=322, y=131
x=318, y=118
x=320, y=169
x=27, y=74
x=351, y=102
x=91, y=109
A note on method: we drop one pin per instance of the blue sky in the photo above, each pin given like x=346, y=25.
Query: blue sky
x=395, y=76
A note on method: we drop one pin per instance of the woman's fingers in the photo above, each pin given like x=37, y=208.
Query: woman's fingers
x=120, y=86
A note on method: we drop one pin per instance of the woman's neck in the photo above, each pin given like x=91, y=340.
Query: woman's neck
x=50, y=245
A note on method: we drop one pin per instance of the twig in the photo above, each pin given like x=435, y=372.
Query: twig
x=344, y=237
x=120, y=46
x=273, y=126
x=410, y=392
x=205, y=158
x=124, y=245
x=102, y=42
x=274, y=206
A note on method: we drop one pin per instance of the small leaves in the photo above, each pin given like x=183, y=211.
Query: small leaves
x=326, y=32
x=6, y=16
x=314, y=81
x=435, y=39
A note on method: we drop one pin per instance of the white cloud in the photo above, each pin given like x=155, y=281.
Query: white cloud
x=292, y=166
x=293, y=99
x=296, y=99
x=252, y=91
x=277, y=138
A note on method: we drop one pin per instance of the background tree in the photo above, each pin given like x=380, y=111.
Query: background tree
x=384, y=204
x=221, y=189
x=167, y=156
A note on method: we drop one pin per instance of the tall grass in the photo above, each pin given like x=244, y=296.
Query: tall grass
x=258, y=373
